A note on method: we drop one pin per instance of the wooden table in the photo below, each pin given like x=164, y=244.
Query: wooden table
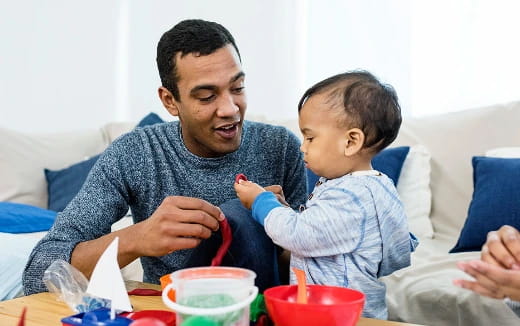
x=46, y=309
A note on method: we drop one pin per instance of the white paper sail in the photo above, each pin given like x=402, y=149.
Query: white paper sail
x=107, y=282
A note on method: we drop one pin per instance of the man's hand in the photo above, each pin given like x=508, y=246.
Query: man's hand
x=178, y=223
x=502, y=248
x=278, y=191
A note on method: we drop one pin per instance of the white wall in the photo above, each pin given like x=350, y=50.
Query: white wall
x=66, y=65
x=56, y=64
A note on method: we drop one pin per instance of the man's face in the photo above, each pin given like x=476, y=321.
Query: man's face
x=212, y=102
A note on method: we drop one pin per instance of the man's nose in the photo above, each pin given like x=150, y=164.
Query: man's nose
x=227, y=106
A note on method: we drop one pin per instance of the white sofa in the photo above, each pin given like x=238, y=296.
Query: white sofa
x=422, y=293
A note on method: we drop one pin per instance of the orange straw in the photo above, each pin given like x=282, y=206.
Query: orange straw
x=302, y=285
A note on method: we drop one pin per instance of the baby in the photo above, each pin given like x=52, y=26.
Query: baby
x=353, y=229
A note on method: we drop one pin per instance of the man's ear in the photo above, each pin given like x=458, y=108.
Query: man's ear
x=168, y=101
x=354, y=140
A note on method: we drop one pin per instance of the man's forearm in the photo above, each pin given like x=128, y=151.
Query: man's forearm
x=86, y=254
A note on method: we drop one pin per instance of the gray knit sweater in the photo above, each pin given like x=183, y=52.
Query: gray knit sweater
x=143, y=167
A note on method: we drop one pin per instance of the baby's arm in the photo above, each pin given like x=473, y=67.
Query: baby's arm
x=332, y=226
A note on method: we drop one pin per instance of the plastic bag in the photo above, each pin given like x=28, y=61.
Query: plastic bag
x=71, y=285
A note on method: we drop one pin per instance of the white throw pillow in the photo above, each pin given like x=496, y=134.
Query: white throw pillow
x=504, y=152
x=23, y=157
x=414, y=189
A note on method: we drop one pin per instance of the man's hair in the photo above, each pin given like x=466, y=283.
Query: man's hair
x=366, y=104
x=189, y=36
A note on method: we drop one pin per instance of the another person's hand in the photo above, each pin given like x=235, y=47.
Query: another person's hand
x=497, y=274
x=247, y=192
x=278, y=192
x=178, y=223
x=490, y=280
x=502, y=248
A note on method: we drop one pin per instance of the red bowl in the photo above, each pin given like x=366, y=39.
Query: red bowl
x=167, y=317
x=326, y=305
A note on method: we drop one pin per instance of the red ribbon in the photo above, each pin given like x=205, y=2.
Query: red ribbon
x=147, y=292
x=225, y=229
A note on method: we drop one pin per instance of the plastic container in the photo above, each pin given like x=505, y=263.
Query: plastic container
x=165, y=280
x=326, y=305
x=167, y=317
x=98, y=317
x=221, y=294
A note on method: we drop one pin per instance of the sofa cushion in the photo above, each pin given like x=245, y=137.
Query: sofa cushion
x=23, y=156
x=471, y=132
x=22, y=218
x=495, y=200
x=150, y=119
x=64, y=184
x=389, y=161
x=415, y=192
x=505, y=152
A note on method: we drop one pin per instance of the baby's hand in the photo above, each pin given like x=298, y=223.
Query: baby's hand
x=247, y=192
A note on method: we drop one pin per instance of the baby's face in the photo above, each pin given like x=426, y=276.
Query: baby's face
x=324, y=140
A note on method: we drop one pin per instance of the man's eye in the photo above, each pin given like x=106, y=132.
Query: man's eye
x=238, y=90
x=206, y=99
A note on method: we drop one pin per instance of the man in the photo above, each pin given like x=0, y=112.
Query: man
x=174, y=175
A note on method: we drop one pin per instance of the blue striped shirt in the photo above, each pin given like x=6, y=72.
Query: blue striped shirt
x=353, y=231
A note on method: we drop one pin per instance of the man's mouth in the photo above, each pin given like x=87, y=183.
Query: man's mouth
x=228, y=131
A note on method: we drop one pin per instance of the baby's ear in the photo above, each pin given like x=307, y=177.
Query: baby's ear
x=354, y=140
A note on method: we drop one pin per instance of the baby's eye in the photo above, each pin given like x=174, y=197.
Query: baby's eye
x=309, y=139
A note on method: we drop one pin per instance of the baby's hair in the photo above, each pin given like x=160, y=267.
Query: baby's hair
x=366, y=104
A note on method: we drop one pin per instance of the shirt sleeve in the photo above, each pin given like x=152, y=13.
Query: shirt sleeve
x=102, y=201
x=263, y=205
x=333, y=224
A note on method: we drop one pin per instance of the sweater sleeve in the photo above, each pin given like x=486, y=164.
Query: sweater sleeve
x=102, y=201
x=333, y=225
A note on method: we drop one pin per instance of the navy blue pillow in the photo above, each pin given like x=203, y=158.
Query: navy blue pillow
x=495, y=202
x=389, y=161
x=21, y=218
x=150, y=119
x=63, y=185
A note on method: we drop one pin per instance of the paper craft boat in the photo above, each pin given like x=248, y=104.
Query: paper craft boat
x=107, y=282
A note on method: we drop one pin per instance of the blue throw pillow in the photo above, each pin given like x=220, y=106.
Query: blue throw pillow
x=63, y=185
x=389, y=161
x=495, y=202
x=21, y=218
x=150, y=119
